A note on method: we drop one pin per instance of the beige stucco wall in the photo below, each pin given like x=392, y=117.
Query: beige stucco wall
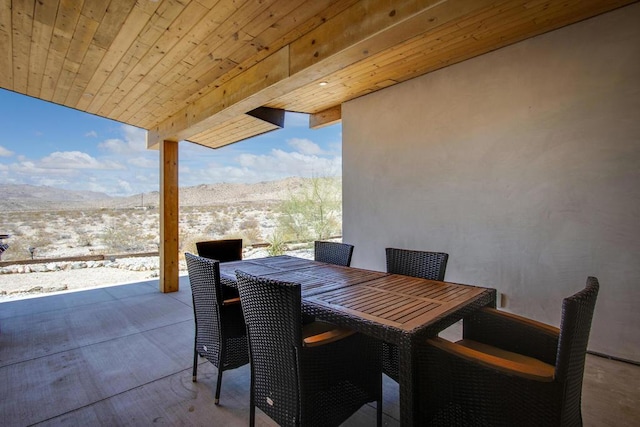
x=522, y=164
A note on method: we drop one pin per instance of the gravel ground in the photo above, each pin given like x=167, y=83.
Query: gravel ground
x=21, y=285
x=125, y=270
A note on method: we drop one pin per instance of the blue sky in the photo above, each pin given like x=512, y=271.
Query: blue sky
x=46, y=144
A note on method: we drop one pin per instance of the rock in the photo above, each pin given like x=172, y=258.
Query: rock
x=55, y=288
x=38, y=268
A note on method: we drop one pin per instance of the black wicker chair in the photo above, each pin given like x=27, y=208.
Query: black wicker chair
x=316, y=375
x=508, y=370
x=333, y=252
x=220, y=334
x=427, y=265
x=221, y=250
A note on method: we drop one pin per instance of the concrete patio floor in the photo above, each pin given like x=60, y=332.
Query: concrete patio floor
x=122, y=355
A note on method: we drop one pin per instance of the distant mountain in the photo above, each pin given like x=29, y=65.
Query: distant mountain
x=22, y=197
x=46, y=193
x=29, y=197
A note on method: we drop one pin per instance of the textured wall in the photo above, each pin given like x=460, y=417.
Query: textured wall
x=522, y=164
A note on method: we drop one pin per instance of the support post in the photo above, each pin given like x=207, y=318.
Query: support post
x=169, y=215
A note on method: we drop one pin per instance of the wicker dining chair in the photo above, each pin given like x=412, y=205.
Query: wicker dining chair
x=221, y=250
x=508, y=370
x=333, y=252
x=220, y=331
x=311, y=375
x=424, y=264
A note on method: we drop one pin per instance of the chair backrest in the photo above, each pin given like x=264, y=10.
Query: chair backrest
x=204, y=277
x=427, y=265
x=577, y=313
x=272, y=312
x=333, y=252
x=221, y=250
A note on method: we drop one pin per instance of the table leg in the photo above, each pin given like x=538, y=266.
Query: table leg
x=407, y=383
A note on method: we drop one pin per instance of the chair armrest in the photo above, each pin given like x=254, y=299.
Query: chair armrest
x=511, y=364
x=319, y=333
x=231, y=301
x=327, y=337
x=543, y=327
x=513, y=333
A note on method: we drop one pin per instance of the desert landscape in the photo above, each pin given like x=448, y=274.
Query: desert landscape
x=49, y=226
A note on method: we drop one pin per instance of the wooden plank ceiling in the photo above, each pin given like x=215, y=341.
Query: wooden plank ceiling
x=193, y=69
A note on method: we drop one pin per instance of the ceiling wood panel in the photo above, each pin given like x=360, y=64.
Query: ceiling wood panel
x=6, y=46
x=448, y=44
x=201, y=78
x=192, y=69
x=100, y=62
x=237, y=129
x=21, y=27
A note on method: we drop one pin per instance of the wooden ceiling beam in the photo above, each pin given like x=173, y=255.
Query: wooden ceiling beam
x=239, y=95
x=327, y=49
x=324, y=118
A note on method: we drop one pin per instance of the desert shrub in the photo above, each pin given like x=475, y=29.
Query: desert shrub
x=277, y=244
x=18, y=232
x=19, y=247
x=251, y=236
x=122, y=237
x=221, y=225
x=314, y=212
x=249, y=224
x=86, y=241
x=187, y=242
x=17, y=251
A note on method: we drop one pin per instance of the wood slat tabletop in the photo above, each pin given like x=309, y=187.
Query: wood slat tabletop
x=398, y=301
x=313, y=276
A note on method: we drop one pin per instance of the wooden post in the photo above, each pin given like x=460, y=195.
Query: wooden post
x=169, y=212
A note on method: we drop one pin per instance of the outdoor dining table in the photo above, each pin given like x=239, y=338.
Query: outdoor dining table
x=399, y=309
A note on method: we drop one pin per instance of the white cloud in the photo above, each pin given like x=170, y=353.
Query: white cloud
x=4, y=152
x=125, y=187
x=116, y=146
x=148, y=178
x=135, y=137
x=50, y=181
x=144, y=162
x=31, y=172
x=135, y=141
x=305, y=146
x=276, y=165
x=76, y=160
x=124, y=167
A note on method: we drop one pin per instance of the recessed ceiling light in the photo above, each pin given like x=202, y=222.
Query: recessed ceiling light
x=323, y=83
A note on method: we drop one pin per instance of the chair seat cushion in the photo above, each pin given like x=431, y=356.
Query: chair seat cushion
x=541, y=368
